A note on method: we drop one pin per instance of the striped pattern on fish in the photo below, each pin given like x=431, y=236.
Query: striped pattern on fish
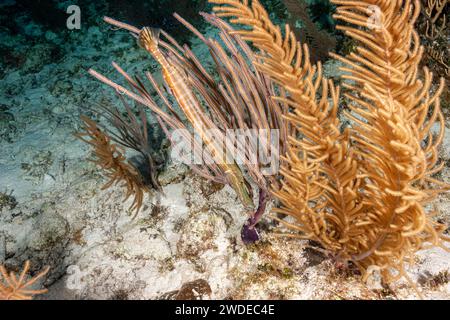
x=149, y=38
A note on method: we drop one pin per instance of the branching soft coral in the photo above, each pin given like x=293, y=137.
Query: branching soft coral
x=111, y=159
x=394, y=112
x=16, y=287
x=362, y=192
x=321, y=167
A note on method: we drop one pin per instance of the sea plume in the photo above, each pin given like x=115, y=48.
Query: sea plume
x=17, y=287
x=360, y=192
x=111, y=159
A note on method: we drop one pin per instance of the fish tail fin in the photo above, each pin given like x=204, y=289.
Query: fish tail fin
x=149, y=38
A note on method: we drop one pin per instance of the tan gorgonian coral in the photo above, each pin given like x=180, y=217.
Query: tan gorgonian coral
x=110, y=157
x=394, y=112
x=360, y=192
x=16, y=287
x=321, y=166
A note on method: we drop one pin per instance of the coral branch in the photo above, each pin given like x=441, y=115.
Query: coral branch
x=13, y=287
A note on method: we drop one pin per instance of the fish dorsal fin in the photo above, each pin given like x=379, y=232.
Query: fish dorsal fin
x=149, y=37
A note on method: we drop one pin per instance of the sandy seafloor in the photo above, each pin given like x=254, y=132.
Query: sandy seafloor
x=186, y=239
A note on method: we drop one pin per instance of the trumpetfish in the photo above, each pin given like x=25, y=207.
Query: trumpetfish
x=188, y=102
